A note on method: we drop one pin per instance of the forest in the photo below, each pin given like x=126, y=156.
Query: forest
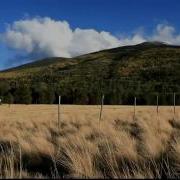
x=88, y=93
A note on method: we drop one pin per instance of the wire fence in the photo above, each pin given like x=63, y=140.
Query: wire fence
x=173, y=97
x=163, y=99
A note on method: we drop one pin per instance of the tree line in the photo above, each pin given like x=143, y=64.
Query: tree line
x=87, y=92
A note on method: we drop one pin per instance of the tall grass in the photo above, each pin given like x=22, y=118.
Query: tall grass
x=122, y=147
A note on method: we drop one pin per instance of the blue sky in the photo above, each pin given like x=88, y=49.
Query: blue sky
x=121, y=18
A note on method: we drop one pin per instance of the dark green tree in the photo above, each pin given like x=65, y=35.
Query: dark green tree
x=8, y=98
x=23, y=95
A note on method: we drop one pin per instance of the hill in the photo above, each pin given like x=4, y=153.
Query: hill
x=119, y=73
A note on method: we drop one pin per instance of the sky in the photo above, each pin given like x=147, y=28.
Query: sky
x=35, y=29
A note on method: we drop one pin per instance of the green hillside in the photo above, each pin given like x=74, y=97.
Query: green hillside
x=119, y=73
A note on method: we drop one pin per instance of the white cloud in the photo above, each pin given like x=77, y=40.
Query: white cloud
x=166, y=34
x=45, y=37
x=42, y=35
x=85, y=41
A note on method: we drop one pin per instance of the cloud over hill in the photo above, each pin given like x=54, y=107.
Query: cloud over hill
x=45, y=37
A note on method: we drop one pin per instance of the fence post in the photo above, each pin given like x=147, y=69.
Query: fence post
x=59, y=115
x=102, y=103
x=134, y=108
x=174, y=105
x=157, y=110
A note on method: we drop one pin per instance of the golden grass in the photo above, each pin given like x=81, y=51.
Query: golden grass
x=31, y=145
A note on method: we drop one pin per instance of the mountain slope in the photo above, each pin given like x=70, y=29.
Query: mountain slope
x=147, y=67
x=118, y=62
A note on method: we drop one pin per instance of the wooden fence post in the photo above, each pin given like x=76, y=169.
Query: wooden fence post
x=157, y=109
x=134, y=108
x=174, y=105
x=59, y=115
x=102, y=103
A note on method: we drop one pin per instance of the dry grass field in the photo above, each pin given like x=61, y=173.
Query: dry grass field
x=32, y=145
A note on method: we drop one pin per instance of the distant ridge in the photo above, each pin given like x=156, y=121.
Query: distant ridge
x=118, y=73
x=41, y=62
x=53, y=60
x=156, y=43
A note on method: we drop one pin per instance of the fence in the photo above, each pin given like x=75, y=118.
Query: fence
x=172, y=96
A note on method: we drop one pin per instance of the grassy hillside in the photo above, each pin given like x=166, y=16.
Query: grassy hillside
x=147, y=67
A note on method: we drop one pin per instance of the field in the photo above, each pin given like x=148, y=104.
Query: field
x=32, y=145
